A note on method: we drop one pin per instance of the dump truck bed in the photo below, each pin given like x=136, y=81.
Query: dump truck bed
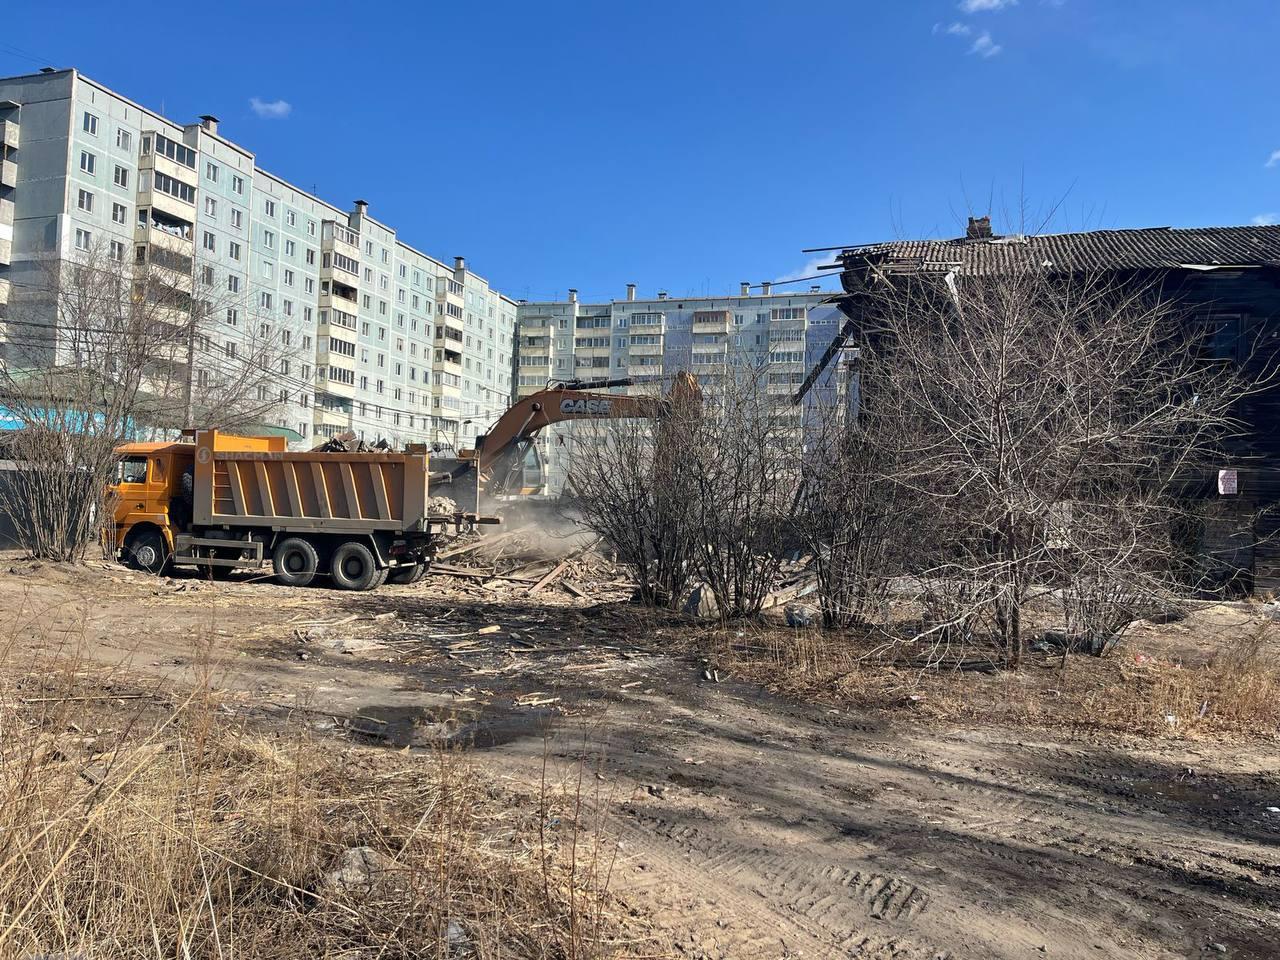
x=262, y=484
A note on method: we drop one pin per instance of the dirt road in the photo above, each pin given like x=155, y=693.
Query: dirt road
x=748, y=826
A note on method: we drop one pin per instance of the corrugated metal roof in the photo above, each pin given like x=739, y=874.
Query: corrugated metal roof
x=1151, y=248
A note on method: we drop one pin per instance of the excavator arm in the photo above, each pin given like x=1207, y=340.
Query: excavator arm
x=498, y=451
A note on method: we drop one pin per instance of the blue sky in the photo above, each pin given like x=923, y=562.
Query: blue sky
x=688, y=146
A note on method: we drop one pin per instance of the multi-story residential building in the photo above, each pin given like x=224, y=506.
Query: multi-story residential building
x=651, y=340
x=359, y=330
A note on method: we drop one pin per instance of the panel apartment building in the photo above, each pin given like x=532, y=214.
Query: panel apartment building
x=654, y=339
x=374, y=335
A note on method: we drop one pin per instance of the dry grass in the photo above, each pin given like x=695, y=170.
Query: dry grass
x=145, y=828
x=1234, y=693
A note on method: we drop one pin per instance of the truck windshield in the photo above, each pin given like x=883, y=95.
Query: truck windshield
x=132, y=470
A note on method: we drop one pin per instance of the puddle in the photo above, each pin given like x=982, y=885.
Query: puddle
x=424, y=727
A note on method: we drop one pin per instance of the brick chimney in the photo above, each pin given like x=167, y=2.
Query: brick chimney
x=979, y=229
x=744, y=289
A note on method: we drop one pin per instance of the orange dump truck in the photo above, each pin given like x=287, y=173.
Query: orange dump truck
x=227, y=502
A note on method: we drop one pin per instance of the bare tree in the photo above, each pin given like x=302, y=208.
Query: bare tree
x=1058, y=428
x=103, y=349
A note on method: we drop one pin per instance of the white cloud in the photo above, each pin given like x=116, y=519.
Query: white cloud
x=1264, y=220
x=984, y=46
x=810, y=269
x=1273, y=159
x=982, y=6
x=959, y=29
x=270, y=109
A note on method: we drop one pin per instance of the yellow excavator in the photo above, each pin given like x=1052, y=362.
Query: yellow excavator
x=496, y=467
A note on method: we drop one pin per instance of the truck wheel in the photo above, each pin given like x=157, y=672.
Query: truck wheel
x=354, y=567
x=147, y=551
x=295, y=562
x=407, y=574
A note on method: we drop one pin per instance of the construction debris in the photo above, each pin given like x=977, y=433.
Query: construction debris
x=349, y=443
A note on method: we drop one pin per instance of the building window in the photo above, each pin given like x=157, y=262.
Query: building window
x=117, y=251
x=211, y=208
x=83, y=239
x=90, y=123
x=122, y=177
x=176, y=152
x=233, y=283
x=237, y=184
x=268, y=239
x=290, y=248
x=235, y=218
x=269, y=208
x=288, y=278
x=264, y=300
x=86, y=201
x=211, y=172
x=291, y=218
x=124, y=139
x=88, y=162
x=206, y=276
x=311, y=257
x=230, y=349
x=233, y=316
x=233, y=250
x=268, y=269
x=210, y=243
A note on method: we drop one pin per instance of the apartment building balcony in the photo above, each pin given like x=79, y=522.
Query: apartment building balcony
x=648, y=321
x=536, y=327
x=9, y=134
x=168, y=237
x=337, y=237
x=8, y=173
x=644, y=370
x=332, y=379
x=712, y=321
x=328, y=417
x=159, y=163
x=339, y=296
x=6, y=232
x=645, y=349
x=166, y=204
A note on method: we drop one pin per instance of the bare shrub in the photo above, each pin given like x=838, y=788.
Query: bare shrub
x=632, y=480
x=744, y=449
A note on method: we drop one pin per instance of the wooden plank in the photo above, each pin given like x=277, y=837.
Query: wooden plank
x=322, y=489
x=551, y=576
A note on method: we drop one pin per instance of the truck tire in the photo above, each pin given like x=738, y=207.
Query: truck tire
x=354, y=567
x=407, y=574
x=295, y=561
x=147, y=551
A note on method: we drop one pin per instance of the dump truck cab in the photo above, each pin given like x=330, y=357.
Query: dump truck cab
x=147, y=482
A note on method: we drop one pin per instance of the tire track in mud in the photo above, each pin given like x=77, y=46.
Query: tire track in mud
x=801, y=905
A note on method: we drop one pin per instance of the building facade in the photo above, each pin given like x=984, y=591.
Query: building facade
x=360, y=331
x=653, y=339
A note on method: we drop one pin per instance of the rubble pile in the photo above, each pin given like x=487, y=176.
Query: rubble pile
x=522, y=563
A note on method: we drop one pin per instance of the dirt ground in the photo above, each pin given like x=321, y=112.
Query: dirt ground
x=747, y=825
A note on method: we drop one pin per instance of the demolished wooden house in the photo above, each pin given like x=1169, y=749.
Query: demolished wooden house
x=1227, y=278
